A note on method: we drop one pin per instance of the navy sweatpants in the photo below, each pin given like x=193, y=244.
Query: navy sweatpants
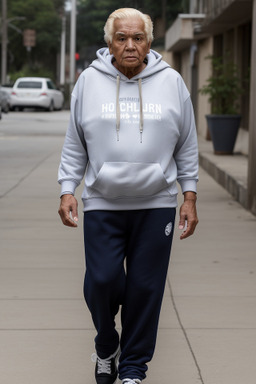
x=127, y=257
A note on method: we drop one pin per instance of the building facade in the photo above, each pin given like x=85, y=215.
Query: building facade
x=215, y=27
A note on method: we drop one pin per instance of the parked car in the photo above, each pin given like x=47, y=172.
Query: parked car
x=7, y=88
x=4, y=101
x=36, y=92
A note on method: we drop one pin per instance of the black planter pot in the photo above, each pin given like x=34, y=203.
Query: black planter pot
x=223, y=130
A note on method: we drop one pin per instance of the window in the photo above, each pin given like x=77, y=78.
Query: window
x=30, y=84
x=50, y=85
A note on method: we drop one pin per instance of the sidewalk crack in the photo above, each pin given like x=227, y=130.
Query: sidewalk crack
x=26, y=175
x=185, y=333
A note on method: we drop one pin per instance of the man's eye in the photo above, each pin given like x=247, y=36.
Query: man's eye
x=121, y=39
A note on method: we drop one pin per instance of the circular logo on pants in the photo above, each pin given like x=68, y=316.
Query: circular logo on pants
x=168, y=229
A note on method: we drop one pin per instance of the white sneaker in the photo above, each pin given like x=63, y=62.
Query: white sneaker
x=131, y=381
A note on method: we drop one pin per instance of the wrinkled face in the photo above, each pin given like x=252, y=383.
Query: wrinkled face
x=129, y=46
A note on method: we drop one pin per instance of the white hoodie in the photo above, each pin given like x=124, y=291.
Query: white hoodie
x=131, y=138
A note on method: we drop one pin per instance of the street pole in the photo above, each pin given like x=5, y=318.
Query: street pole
x=63, y=51
x=72, y=44
x=4, y=42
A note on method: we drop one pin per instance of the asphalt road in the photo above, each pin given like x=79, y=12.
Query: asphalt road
x=26, y=140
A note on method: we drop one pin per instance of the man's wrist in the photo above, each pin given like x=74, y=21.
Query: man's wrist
x=66, y=193
x=190, y=196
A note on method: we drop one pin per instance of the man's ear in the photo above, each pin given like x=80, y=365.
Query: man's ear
x=149, y=46
x=110, y=48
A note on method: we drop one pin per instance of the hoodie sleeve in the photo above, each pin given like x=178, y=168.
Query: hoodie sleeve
x=186, y=151
x=74, y=154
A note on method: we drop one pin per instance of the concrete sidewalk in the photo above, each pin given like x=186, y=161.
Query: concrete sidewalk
x=207, y=328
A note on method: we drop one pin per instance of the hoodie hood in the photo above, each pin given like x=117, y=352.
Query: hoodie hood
x=104, y=64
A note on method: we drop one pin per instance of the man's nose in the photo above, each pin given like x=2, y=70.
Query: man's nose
x=129, y=44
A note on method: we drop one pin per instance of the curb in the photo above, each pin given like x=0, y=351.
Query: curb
x=228, y=171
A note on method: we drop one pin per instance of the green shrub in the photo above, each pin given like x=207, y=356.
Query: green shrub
x=224, y=86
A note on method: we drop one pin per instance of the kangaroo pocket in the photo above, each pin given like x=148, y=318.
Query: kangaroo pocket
x=122, y=179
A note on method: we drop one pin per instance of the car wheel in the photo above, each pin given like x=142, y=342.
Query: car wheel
x=6, y=109
x=51, y=106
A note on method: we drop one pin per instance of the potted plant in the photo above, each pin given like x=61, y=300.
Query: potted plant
x=224, y=90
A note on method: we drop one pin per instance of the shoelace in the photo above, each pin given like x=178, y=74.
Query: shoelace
x=103, y=365
x=131, y=381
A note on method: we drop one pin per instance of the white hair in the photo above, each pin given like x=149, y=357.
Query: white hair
x=124, y=13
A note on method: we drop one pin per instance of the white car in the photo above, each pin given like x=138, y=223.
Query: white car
x=36, y=92
x=4, y=101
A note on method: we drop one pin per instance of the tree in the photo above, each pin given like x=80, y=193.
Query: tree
x=44, y=17
x=92, y=16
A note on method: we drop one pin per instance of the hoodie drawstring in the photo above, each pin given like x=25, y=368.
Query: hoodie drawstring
x=141, y=110
x=118, y=108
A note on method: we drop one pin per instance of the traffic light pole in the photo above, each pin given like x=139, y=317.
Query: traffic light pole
x=63, y=51
x=72, y=44
x=4, y=42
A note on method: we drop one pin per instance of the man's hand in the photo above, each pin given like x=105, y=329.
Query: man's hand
x=188, y=215
x=68, y=210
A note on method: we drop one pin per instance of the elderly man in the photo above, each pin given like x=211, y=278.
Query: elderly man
x=132, y=134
